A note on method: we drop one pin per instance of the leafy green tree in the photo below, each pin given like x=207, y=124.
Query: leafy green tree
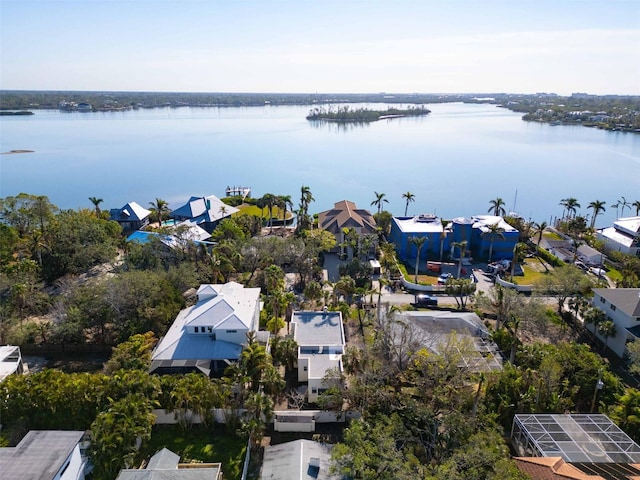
x=409, y=197
x=115, y=433
x=626, y=412
x=519, y=253
x=460, y=289
x=497, y=207
x=562, y=283
x=133, y=354
x=194, y=395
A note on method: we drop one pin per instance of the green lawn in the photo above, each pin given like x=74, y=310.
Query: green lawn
x=264, y=212
x=213, y=445
x=550, y=236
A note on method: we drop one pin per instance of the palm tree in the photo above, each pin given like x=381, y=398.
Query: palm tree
x=623, y=203
x=160, y=209
x=96, y=203
x=462, y=246
x=285, y=201
x=306, y=198
x=616, y=206
x=598, y=207
x=570, y=205
x=636, y=205
x=418, y=242
x=539, y=229
x=410, y=197
x=443, y=237
x=594, y=316
x=494, y=231
x=379, y=201
x=607, y=329
x=497, y=207
x=519, y=251
x=268, y=200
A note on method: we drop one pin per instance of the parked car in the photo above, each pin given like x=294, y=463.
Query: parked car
x=434, y=267
x=424, y=300
x=442, y=279
x=581, y=266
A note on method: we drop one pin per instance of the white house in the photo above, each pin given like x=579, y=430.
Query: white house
x=623, y=236
x=45, y=455
x=622, y=306
x=209, y=335
x=590, y=256
x=320, y=338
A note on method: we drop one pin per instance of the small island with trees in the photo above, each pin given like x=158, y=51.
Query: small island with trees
x=345, y=114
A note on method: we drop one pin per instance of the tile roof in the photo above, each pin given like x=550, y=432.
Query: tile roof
x=345, y=214
x=626, y=299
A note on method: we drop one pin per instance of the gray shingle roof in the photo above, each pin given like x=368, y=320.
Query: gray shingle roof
x=626, y=299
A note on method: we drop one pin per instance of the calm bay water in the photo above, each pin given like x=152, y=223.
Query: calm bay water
x=455, y=160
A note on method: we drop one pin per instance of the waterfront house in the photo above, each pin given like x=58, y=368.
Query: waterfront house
x=623, y=236
x=205, y=212
x=131, y=217
x=209, y=336
x=475, y=230
x=345, y=217
x=165, y=464
x=320, y=338
x=45, y=455
x=438, y=237
x=622, y=307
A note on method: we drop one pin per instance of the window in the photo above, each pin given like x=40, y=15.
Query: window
x=613, y=308
x=210, y=329
x=304, y=369
x=196, y=329
x=602, y=300
x=232, y=331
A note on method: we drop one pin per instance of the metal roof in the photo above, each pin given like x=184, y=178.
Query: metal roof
x=39, y=455
x=318, y=328
x=590, y=438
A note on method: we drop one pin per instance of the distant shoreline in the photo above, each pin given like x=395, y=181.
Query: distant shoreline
x=11, y=152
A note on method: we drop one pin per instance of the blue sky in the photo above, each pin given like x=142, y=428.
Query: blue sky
x=403, y=46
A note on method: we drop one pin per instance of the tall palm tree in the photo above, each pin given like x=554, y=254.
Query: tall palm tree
x=570, y=205
x=418, y=242
x=598, y=207
x=493, y=231
x=616, y=206
x=539, y=229
x=607, y=329
x=462, y=246
x=306, y=197
x=409, y=197
x=497, y=207
x=159, y=209
x=636, y=205
x=286, y=203
x=623, y=204
x=96, y=203
x=269, y=201
x=379, y=201
x=443, y=237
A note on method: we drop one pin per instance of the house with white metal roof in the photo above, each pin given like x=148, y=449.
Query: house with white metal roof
x=623, y=236
x=205, y=212
x=131, y=217
x=297, y=460
x=165, y=465
x=209, y=335
x=622, y=307
x=45, y=455
x=320, y=338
